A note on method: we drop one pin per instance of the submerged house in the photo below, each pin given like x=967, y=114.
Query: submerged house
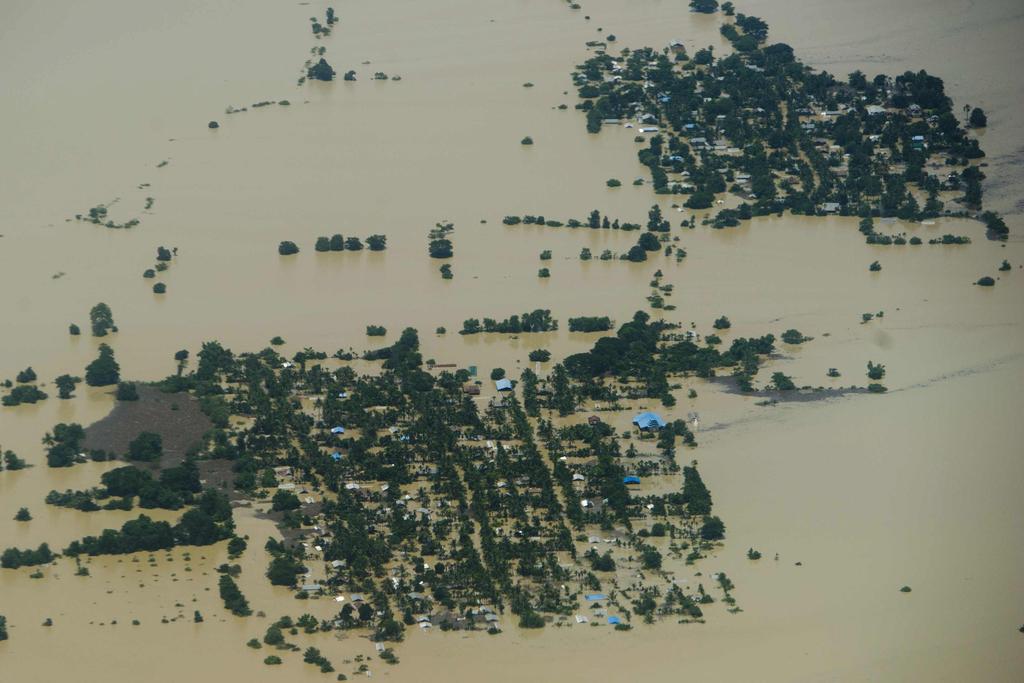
x=649, y=420
x=503, y=385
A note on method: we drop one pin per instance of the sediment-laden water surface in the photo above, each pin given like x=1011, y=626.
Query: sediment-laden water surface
x=858, y=495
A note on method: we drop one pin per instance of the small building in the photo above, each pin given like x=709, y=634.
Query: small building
x=471, y=389
x=830, y=207
x=336, y=456
x=337, y=430
x=593, y=420
x=649, y=420
x=503, y=385
x=596, y=597
x=631, y=480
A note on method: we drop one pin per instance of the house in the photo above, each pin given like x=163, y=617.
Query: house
x=578, y=477
x=631, y=480
x=874, y=109
x=337, y=430
x=471, y=390
x=503, y=385
x=595, y=597
x=830, y=207
x=615, y=621
x=336, y=456
x=593, y=420
x=649, y=420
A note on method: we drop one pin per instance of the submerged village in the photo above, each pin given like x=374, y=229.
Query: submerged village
x=409, y=495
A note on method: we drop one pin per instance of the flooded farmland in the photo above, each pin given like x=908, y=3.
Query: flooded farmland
x=867, y=493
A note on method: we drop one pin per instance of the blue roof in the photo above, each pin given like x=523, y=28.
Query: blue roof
x=631, y=480
x=648, y=419
x=614, y=620
x=593, y=597
x=335, y=456
x=337, y=430
x=504, y=385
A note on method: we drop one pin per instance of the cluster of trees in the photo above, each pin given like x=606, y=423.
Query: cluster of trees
x=208, y=522
x=593, y=221
x=13, y=558
x=590, y=324
x=438, y=245
x=538, y=320
x=338, y=243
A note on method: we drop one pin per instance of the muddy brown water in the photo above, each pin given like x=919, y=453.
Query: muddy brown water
x=917, y=487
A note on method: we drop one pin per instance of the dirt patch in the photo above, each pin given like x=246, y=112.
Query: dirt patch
x=175, y=417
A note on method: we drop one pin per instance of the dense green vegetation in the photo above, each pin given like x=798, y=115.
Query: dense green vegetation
x=13, y=558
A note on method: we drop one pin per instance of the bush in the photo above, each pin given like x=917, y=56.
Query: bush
x=722, y=323
x=614, y=182
x=497, y=373
x=543, y=272
x=590, y=323
x=376, y=331
x=792, y=336
x=322, y=244
x=875, y=267
x=377, y=242
x=287, y=248
x=526, y=141
x=127, y=391
x=986, y=281
x=74, y=330
x=272, y=660
x=26, y=375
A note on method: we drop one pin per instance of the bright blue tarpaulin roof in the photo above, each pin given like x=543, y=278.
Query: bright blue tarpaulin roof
x=648, y=420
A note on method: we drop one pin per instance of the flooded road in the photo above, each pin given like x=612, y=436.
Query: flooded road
x=917, y=487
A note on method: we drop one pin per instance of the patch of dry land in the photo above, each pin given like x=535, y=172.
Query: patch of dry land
x=489, y=340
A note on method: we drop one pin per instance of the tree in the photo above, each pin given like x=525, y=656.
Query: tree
x=497, y=373
x=23, y=515
x=649, y=242
x=377, y=242
x=722, y=323
x=540, y=355
x=440, y=248
x=146, y=447
x=284, y=501
x=3, y=627
x=353, y=244
x=876, y=371
x=163, y=254
x=637, y=253
x=102, y=320
x=26, y=375
x=978, y=118
x=12, y=462
x=287, y=248
x=103, y=371
x=74, y=330
x=284, y=570
x=322, y=244
x=66, y=385
x=713, y=529
x=321, y=71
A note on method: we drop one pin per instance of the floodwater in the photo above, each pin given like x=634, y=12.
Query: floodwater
x=918, y=487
